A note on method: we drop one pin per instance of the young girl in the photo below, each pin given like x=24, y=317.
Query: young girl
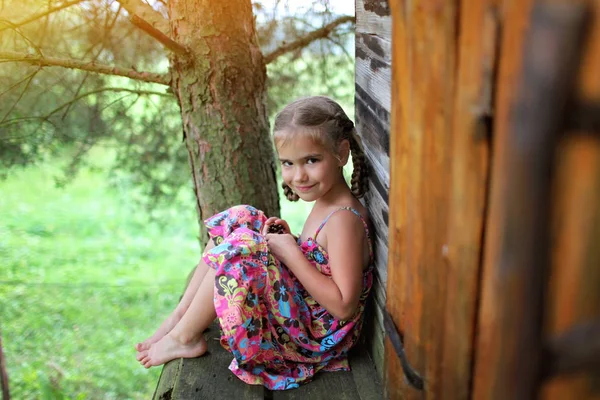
x=288, y=307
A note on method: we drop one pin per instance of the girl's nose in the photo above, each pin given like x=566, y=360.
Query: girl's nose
x=300, y=175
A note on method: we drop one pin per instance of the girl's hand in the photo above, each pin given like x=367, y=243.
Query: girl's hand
x=282, y=246
x=275, y=221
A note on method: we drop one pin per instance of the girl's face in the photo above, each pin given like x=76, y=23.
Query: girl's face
x=308, y=167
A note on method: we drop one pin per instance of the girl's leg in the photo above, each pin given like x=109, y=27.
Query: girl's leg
x=184, y=303
x=186, y=339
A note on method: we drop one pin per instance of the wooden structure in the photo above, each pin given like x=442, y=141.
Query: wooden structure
x=481, y=122
x=373, y=111
x=208, y=378
x=493, y=279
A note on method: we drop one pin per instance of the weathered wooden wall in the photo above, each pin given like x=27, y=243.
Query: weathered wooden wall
x=373, y=104
x=456, y=73
x=574, y=293
x=444, y=59
x=570, y=284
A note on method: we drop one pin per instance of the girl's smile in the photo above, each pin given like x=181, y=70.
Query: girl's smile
x=304, y=188
x=308, y=168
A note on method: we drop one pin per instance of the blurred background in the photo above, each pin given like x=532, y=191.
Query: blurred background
x=98, y=227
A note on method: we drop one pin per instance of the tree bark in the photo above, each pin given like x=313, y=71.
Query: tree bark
x=222, y=94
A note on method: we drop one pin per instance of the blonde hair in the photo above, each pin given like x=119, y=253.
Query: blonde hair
x=325, y=122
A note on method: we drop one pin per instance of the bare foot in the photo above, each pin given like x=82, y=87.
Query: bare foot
x=162, y=330
x=169, y=348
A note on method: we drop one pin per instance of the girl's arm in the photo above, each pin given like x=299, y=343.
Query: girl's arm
x=339, y=295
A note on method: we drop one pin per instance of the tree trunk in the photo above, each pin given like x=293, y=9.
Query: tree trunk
x=222, y=92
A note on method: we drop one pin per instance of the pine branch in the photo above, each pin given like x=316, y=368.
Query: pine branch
x=35, y=17
x=307, y=39
x=148, y=14
x=105, y=89
x=153, y=23
x=20, y=96
x=108, y=27
x=9, y=56
x=158, y=35
x=46, y=118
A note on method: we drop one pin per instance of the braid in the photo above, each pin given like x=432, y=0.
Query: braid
x=360, y=174
x=289, y=193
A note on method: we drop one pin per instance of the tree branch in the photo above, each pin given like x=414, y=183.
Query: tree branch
x=20, y=96
x=85, y=66
x=40, y=15
x=147, y=13
x=307, y=39
x=158, y=35
x=108, y=27
x=81, y=96
x=153, y=23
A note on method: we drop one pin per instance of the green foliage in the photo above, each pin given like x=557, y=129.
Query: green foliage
x=39, y=119
x=88, y=264
x=44, y=109
x=85, y=274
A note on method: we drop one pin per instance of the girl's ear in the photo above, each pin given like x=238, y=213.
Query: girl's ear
x=344, y=152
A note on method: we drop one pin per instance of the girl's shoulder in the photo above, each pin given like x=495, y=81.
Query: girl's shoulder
x=344, y=216
x=356, y=207
x=350, y=215
x=350, y=228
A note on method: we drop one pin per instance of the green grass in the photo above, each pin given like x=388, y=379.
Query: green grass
x=84, y=274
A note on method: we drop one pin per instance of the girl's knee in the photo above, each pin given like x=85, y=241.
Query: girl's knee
x=244, y=208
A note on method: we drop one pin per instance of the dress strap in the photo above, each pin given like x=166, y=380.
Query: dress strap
x=359, y=216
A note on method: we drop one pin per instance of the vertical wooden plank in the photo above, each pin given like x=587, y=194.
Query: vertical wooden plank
x=514, y=18
x=479, y=31
x=514, y=279
x=373, y=55
x=395, y=303
x=424, y=60
x=574, y=295
x=400, y=109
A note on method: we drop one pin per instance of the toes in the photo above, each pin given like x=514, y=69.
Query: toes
x=141, y=355
x=142, y=346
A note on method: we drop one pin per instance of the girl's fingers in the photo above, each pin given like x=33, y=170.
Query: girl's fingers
x=268, y=222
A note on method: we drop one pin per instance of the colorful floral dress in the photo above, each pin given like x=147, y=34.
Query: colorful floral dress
x=278, y=334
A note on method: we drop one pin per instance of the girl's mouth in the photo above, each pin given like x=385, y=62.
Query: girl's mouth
x=304, y=188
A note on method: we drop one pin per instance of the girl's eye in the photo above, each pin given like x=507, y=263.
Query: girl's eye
x=312, y=161
x=286, y=163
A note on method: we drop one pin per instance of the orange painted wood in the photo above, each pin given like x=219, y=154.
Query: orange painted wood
x=441, y=289
x=515, y=17
x=396, y=303
x=574, y=292
x=509, y=349
x=479, y=30
x=573, y=295
x=424, y=60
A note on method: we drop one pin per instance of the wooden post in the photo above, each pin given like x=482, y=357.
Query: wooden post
x=423, y=88
x=574, y=293
x=510, y=334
